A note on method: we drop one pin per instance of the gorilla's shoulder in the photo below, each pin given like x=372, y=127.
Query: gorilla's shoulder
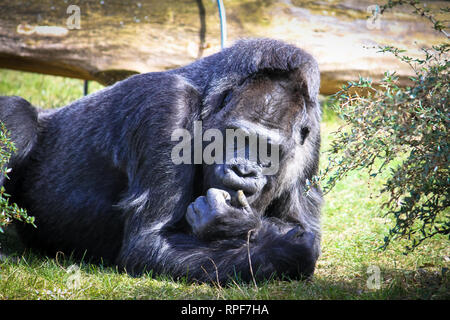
x=146, y=90
x=155, y=88
x=161, y=80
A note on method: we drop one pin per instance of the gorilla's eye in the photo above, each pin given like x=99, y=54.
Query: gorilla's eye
x=304, y=134
x=225, y=98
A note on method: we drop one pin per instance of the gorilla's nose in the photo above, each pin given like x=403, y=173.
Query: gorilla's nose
x=243, y=175
x=245, y=171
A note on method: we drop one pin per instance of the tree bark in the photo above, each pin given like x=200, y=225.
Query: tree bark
x=120, y=38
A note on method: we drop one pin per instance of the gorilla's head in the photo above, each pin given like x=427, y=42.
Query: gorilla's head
x=269, y=120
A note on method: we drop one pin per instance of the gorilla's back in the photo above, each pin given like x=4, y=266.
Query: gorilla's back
x=68, y=217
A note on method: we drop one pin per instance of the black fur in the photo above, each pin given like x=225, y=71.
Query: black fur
x=98, y=177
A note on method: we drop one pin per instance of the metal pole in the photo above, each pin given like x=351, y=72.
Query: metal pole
x=86, y=89
x=223, y=23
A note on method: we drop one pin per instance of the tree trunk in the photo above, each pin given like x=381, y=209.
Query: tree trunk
x=118, y=38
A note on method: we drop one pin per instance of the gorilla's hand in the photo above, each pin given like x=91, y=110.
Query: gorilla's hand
x=213, y=215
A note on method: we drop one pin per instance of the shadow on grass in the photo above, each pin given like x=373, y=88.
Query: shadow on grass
x=24, y=269
x=397, y=284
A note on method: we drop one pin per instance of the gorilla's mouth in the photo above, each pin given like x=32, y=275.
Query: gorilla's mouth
x=241, y=175
x=249, y=183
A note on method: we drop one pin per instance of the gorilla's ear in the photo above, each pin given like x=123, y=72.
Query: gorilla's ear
x=307, y=77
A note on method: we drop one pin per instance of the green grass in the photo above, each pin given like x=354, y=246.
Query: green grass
x=42, y=90
x=353, y=230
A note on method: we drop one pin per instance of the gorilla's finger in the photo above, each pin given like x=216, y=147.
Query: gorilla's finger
x=308, y=238
x=294, y=233
x=217, y=198
x=190, y=214
x=200, y=205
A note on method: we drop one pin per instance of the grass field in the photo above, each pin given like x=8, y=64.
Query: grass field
x=353, y=230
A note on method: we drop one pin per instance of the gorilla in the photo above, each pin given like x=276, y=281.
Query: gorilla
x=99, y=177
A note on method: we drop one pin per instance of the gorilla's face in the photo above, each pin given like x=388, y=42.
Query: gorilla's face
x=270, y=114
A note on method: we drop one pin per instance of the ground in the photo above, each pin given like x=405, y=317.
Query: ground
x=353, y=232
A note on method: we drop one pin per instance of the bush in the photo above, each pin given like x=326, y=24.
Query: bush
x=8, y=212
x=404, y=132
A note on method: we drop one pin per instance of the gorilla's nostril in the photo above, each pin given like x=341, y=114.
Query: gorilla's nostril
x=245, y=176
x=244, y=171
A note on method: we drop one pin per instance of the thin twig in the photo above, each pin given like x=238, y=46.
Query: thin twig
x=249, y=258
x=217, y=282
x=422, y=12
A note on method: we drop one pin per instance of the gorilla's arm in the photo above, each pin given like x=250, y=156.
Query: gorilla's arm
x=269, y=247
x=157, y=237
